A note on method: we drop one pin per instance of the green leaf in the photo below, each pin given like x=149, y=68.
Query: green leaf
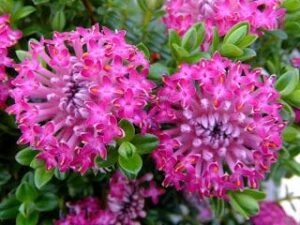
x=126, y=149
x=200, y=28
x=142, y=5
x=189, y=40
x=25, y=156
x=60, y=175
x=46, y=202
x=157, y=70
x=291, y=5
x=247, y=41
x=144, y=49
x=180, y=51
x=244, y=203
x=145, y=144
x=294, y=98
x=218, y=207
x=131, y=165
x=31, y=219
x=26, y=192
x=174, y=38
x=230, y=50
x=280, y=34
x=215, y=41
x=9, y=208
x=236, y=34
x=248, y=53
x=194, y=58
x=4, y=177
x=287, y=82
x=26, y=208
x=291, y=134
x=128, y=129
x=59, y=21
x=6, y=6
x=112, y=158
x=42, y=177
x=23, y=12
x=36, y=163
x=258, y=195
x=293, y=165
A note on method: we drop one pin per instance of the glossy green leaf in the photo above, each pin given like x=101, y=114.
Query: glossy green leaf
x=230, y=50
x=287, y=82
x=46, y=202
x=144, y=49
x=237, y=34
x=9, y=208
x=25, y=156
x=42, y=176
x=58, y=21
x=31, y=219
x=23, y=12
x=157, y=70
x=247, y=41
x=131, y=165
x=248, y=53
x=189, y=40
x=145, y=144
x=127, y=150
x=26, y=192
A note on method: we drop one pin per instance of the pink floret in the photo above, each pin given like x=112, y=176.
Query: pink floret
x=219, y=126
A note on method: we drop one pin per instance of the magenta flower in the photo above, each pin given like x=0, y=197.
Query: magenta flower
x=73, y=91
x=271, y=213
x=296, y=62
x=87, y=212
x=8, y=38
x=219, y=126
x=223, y=14
x=126, y=199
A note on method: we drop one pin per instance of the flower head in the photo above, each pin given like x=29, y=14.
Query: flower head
x=219, y=124
x=73, y=91
x=223, y=14
x=271, y=213
x=8, y=38
x=126, y=199
x=87, y=212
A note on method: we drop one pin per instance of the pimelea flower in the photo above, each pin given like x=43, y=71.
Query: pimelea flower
x=87, y=212
x=8, y=38
x=73, y=91
x=296, y=62
x=219, y=126
x=271, y=213
x=223, y=14
x=126, y=199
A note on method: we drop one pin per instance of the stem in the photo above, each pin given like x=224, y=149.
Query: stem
x=89, y=8
x=288, y=198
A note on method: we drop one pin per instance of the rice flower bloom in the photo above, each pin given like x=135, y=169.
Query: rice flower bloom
x=72, y=92
x=219, y=125
x=87, y=212
x=223, y=14
x=126, y=198
x=8, y=38
x=271, y=213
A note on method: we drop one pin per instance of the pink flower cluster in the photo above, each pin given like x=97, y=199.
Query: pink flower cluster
x=8, y=38
x=219, y=125
x=125, y=203
x=223, y=14
x=271, y=213
x=72, y=92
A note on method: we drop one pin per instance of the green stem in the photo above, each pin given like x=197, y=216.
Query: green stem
x=89, y=8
